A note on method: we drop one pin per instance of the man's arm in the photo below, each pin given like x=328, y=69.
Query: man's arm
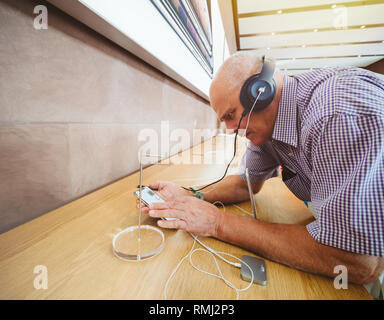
x=293, y=246
x=232, y=189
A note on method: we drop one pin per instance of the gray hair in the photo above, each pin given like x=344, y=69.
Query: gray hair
x=238, y=68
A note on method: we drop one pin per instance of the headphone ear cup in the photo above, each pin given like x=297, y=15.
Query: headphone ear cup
x=246, y=98
x=250, y=91
x=265, y=97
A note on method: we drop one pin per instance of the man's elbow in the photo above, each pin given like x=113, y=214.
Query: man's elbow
x=256, y=187
x=368, y=270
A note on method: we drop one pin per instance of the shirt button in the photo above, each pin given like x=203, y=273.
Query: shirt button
x=290, y=154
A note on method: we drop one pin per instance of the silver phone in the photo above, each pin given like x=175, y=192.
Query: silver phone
x=148, y=196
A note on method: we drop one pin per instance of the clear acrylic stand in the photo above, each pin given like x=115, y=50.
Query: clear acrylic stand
x=141, y=242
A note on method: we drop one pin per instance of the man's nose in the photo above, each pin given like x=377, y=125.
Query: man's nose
x=231, y=126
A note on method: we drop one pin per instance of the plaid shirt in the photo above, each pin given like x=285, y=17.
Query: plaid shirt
x=329, y=135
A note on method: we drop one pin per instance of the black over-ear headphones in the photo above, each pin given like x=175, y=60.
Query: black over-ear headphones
x=260, y=86
x=257, y=93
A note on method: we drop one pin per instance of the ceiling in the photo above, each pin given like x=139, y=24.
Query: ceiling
x=308, y=34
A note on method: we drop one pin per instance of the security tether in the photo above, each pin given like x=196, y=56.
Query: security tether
x=141, y=242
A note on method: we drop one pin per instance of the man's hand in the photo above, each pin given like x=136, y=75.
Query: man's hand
x=167, y=191
x=196, y=216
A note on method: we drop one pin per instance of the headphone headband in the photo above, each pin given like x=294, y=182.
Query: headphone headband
x=268, y=70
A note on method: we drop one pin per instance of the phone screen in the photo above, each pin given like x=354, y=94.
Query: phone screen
x=148, y=197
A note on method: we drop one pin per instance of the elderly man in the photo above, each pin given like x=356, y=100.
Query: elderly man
x=326, y=128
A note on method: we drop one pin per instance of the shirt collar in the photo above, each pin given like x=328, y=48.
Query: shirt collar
x=286, y=121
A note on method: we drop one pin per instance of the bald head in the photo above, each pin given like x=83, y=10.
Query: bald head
x=225, y=96
x=236, y=70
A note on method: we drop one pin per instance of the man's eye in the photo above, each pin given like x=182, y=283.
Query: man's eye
x=229, y=116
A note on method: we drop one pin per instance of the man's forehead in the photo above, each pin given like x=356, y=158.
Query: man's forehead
x=218, y=99
x=223, y=107
x=221, y=93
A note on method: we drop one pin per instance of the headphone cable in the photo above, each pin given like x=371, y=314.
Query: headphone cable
x=229, y=164
x=260, y=90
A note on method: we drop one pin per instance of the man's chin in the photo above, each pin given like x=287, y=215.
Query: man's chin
x=250, y=136
x=255, y=140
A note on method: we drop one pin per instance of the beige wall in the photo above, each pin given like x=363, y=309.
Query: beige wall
x=71, y=106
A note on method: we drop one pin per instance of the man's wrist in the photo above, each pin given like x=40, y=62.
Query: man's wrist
x=219, y=224
x=197, y=193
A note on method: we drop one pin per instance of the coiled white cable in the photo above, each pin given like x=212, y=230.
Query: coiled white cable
x=220, y=276
x=213, y=253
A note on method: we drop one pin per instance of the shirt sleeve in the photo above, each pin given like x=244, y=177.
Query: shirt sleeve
x=347, y=189
x=260, y=163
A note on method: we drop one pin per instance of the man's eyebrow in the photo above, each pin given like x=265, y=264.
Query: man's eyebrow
x=229, y=110
x=223, y=116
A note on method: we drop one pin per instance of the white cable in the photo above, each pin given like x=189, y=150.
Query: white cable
x=213, y=253
x=219, y=202
x=241, y=209
x=174, y=271
x=261, y=90
x=221, y=276
x=237, y=265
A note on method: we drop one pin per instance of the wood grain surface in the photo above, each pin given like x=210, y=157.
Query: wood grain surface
x=74, y=242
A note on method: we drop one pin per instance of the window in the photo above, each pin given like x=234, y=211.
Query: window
x=139, y=27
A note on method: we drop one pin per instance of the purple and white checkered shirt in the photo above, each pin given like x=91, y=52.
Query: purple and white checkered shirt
x=329, y=131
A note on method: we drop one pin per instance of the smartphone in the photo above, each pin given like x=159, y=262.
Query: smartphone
x=148, y=196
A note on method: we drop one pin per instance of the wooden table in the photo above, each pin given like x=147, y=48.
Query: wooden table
x=74, y=242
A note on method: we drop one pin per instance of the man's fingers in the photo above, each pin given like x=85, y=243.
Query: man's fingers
x=159, y=206
x=155, y=185
x=166, y=213
x=178, y=204
x=144, y=207
x=173, y=224
x=138, y=202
